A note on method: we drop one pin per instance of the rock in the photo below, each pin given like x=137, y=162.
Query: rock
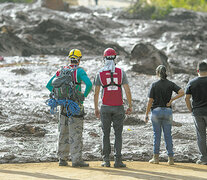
x=82, y=9
x=146, y=58
x=130, y=120
x=72, y=2
x=9, y=157
x=59, y=5
x=184, y=136
x=177, y=124
x=19, y=47
x=6, y=29
x=2, y=115
x=93, y=134
x=24, y=130
x=181, y=15
x=50, y=33
x=20, y=71
x=183, y=65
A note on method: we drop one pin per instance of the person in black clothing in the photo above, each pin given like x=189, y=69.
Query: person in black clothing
x=197, y=89
x=160, y=100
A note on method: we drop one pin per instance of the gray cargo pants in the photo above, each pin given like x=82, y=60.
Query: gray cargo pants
x=109, y=114
x=70, y=138
x=201, y=125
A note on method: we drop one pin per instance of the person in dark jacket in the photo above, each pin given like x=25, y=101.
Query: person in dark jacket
x=160, y=100
x=197, y=89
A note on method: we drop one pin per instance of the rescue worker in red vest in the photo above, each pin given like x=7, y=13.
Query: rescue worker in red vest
x=70, y=130
x=111, y=79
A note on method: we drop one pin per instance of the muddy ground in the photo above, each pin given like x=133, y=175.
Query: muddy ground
x=35, y=42
x=29, y=132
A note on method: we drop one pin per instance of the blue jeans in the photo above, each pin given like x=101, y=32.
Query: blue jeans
x=201, y=124
x=161, y=118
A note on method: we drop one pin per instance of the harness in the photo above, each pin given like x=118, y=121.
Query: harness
x=112, y=83
x=112, y=96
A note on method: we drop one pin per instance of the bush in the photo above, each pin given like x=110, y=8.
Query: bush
x=159, y=9
x=142, y=10
x=196, y=5
x=161, y=12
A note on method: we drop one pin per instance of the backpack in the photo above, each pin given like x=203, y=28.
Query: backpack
x=64, y=86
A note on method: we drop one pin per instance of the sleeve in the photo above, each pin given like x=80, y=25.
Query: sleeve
x=188, y=89
x=124, y=78
x=176, y=88
x=49, y=84
x=97, y=81
x=151, y=92
x=86, y=80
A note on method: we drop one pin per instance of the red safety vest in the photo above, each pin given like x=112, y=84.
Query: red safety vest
x=69, y=67
x=112, y=95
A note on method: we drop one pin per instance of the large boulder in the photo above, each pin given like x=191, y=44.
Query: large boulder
x=12, y=45
x=55, y=37
x=146, y=58
x=59, y=5
x=183, y=15
x=72, y=2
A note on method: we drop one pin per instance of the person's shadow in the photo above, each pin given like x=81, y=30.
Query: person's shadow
x=34, y=175
x=144, y=174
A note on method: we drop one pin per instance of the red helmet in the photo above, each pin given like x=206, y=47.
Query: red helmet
x=110, y=53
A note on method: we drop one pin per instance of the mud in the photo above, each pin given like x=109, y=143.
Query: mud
x=29, y=132
x=35, y=43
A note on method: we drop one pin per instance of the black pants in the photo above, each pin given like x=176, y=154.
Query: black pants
x=109, y=114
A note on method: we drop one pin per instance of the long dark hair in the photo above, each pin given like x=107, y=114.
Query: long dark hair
x=161, y=72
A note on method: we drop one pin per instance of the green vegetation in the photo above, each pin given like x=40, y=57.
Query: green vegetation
x=158, y=9
x=196, y=5
x=17, y=1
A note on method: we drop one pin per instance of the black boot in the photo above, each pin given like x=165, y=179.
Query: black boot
x=62, y=162
x=118, y=163
x=80, y=164
x=106, y=161
x=106, y=164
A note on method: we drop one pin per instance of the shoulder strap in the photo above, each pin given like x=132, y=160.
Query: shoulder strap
x=112, y=83
x=75, y=69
